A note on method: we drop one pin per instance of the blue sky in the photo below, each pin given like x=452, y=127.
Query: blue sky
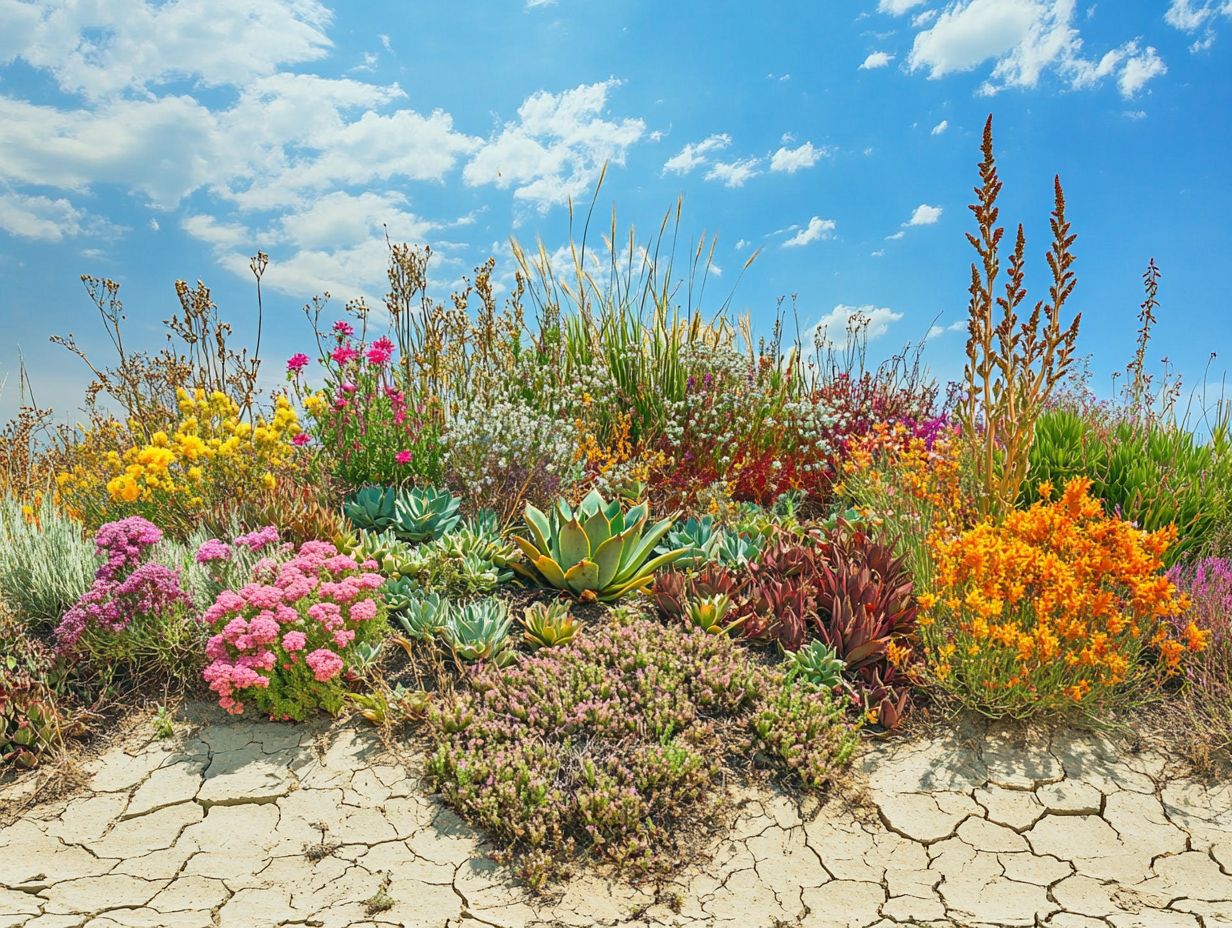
x=153, y=141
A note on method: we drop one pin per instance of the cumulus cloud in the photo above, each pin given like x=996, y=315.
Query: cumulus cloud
x=816, y=230
x=100, y=49
x=924, y=215
x=940, y=127
x=790, y=160
x=1023, y=39
x=840, y=323
x=46, y=219
x=734, y=173
x=695, y=154
x=876, y=60
x=556, y=147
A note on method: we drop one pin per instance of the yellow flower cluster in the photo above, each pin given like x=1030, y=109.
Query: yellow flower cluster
x=1056, y=606
x=210, y=456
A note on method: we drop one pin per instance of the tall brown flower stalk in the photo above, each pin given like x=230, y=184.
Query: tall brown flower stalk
x=1012, y=367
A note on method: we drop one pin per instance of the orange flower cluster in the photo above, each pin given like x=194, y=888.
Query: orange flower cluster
x=1056, y=606
x=890, y=459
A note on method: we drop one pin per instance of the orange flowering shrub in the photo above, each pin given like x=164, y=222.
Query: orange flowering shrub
x=1057, y=607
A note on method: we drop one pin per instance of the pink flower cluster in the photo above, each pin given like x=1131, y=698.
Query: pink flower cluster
x=126, y=587
x=257, y=540
x=288, y=629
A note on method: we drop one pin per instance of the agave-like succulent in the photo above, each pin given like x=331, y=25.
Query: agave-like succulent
x=708, y=613
x=30, y=725
x=371, y=508
x=549, y=624
x=597, y=552
x=732, y=549
x=423, y=616
x=394, y=558
x=425, y=514
x=816, y=663
x=400, y=593
x=695, y=536
x=479, y=631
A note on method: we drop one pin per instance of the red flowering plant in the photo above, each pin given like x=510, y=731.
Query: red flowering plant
x=368, y=421
x=286, y=642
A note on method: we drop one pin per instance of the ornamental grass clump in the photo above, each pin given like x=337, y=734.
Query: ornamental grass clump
x=46, y=563
x=615, y=745
x=1060, y=608
x=285, y=641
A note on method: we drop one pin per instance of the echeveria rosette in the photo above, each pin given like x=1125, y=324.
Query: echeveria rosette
x=597, y=552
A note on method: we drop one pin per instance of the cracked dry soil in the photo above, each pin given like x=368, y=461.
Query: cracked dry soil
x=242, y=824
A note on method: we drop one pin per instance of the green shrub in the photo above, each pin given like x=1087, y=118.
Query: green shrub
x=46, y=563
x=1149, y=473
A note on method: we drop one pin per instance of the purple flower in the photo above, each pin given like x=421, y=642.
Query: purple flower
x=213, y=550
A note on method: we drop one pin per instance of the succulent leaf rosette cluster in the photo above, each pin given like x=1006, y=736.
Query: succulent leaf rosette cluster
x=285, y=641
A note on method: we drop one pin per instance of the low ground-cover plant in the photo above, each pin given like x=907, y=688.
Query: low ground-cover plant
x=284, y=642
x=1058, y=608
x=614, y=745
x=1201, y=714
x=36, y=711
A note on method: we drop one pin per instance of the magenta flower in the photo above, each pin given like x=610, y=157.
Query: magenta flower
x=380, y=351
x=213, y=550
x=325, y=664
x=403, y=457
x=343, y=329
x=344, y=354
x=297, y=362
x=300, y=440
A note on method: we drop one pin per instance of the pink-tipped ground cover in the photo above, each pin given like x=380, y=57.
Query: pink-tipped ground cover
x=282, y=641
x=1205, y=702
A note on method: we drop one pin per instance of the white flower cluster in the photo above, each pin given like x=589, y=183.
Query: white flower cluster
x=508, y=449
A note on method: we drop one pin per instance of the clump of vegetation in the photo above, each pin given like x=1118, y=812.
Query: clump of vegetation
x=614, y=746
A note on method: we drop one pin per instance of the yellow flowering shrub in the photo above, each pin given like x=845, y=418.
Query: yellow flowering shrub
x=1058, y=607
x=212, y=455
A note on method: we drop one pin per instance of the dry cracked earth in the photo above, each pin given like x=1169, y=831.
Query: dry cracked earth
x=240, y=824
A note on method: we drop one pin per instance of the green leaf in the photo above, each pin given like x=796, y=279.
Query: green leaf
x=574, y=545
x=608, y=558
x=583, y=576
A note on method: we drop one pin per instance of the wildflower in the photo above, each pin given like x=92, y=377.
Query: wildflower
x=300, y=440
x=404, y=456
x=343, y=329
x=325, y=664
x=297, y=362
x=213, y=550
x=344, y=354
x=380, y=351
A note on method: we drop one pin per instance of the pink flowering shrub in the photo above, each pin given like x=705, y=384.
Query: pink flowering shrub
x=283, y=641
x=366, y=417
x=136, y=613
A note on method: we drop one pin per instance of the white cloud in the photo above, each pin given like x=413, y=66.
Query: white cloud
x=556, y=148
x=816, y=230
x=879, y=253
x=895, y=236
x=741, y=245
x=535, y=4
x=876, y=60
x=937, y=330
x=1024, y=39
x=734, y=173
x=924, y=215
x=940, y=127
x=835, y=326
x=695, y=154
x=791, y=160
x=153, y=224
x=924, y=18
x=897, y=7
x=1198, y=17
x=100, y=49
x=47, y=220
x=1140, y=68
